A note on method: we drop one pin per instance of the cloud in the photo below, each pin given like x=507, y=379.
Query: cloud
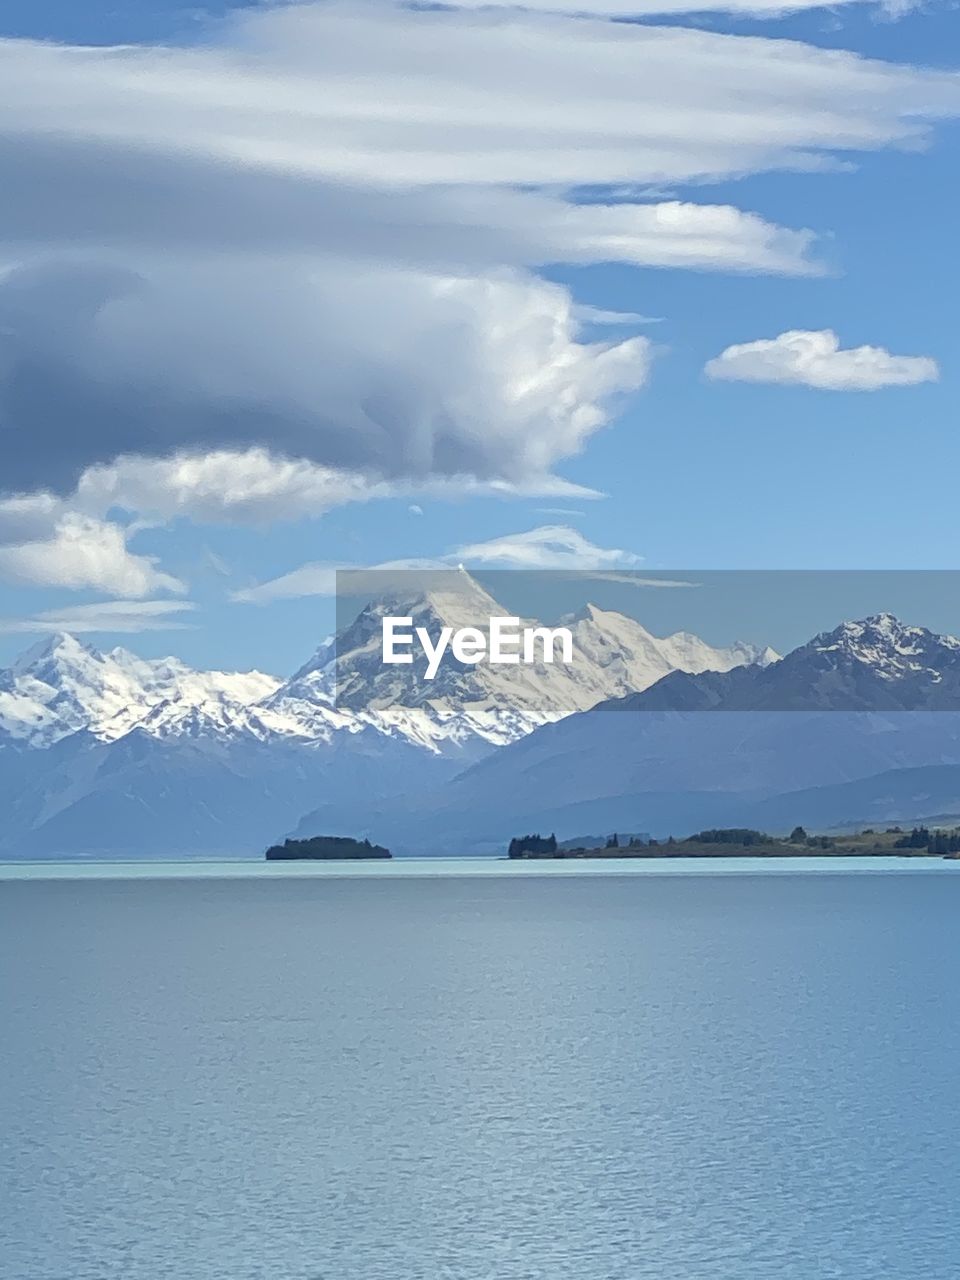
x=137, y=205
x=305, y=248
x=28, y=517
x=316, y=579
x=124, y=616
x=250, y=486
x=378, y=377
x=256, y=487
x=552, y=546
x=665, y=8
x=319, y=578
x=599, y=316
x=815, y=359
x=548, y=547
x=76, y=552
x=373, y=96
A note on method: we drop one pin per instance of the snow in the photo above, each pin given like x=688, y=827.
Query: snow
x=62, y=685
x=614, y=656
x=889, y=647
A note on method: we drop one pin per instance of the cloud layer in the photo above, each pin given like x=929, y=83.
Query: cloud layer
x=114, y=616
x=312, y=239
x=815, y=358
x=667, y=8
x=297, y=265
x=372, y=96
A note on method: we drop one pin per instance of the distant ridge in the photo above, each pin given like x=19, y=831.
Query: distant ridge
x=781, y=743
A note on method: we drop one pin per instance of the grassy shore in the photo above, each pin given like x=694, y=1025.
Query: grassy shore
x=861, y=844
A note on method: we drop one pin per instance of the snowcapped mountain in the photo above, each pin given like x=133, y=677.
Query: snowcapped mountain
x=870, y=698
x=61, y=686
x=346, y=681
x=876, y=664
x=111, y=754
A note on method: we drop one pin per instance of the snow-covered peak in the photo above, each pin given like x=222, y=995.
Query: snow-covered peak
x=61, y=685
x=60, y=651
x=889, y=647
x=613, y=656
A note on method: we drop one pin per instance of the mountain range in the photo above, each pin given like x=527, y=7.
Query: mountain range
x=792, y=741
x=111, y=754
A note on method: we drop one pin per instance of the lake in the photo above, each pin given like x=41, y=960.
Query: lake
x=727, y=1074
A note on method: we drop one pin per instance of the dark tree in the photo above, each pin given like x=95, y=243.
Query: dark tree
x=524, y=846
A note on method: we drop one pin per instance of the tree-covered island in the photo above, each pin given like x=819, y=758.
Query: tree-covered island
x=326, y=849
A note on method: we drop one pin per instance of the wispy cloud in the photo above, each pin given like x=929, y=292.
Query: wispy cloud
x=554, y=547
x=667, y=8
x=121, y=616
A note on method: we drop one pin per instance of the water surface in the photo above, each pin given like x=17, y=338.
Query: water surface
x=481, y=1076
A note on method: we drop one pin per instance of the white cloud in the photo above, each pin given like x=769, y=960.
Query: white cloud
x=122, y=616
x=815, y=359
x=381, y=378
x=547, y=547
x=221, y=487
x=256, y=487
x=291, y=267
x=316, y=579
x=665, y=8
x=28, y=517
x=319, y=578
x=552, y=546
x=370, y=95
x=80, y=552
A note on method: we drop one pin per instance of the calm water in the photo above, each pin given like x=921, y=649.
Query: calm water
x=486, y=1077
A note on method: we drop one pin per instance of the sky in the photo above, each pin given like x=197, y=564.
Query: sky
x=613, y=285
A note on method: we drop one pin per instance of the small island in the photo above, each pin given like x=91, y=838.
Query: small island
x=326, y=849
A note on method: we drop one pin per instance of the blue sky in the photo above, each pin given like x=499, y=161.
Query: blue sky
x=248, y=331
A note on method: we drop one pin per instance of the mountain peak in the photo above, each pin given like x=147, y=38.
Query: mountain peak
x=59, y=645
x=884, y=642
x=452, y=595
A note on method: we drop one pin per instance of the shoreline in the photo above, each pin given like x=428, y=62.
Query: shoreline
x=413, y=868
x=622, y=855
